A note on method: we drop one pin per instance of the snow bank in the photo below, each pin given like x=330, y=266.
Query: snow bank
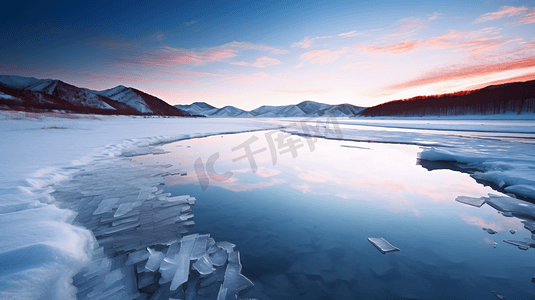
x=41, y=250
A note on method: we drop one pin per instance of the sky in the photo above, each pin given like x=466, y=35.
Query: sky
x=252, y=53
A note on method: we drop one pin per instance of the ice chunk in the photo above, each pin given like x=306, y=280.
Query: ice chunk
x=105, y=206
x=521, y=245
x=234, y=281
x=219, y=258
x=183, y=198
x=489, y=230
x=172, y=251
x=123, y=209
x=477, y=202
x=200, y=247
x=222, y=295
x=229, y=247
x=382, y=245
x=137, y=256
x=498, y=295
x=183, y=261
x=495, y=244
x=529, y=225
x=204, y=265
x=154, y=261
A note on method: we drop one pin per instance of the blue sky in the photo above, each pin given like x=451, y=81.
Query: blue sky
x=251, y=53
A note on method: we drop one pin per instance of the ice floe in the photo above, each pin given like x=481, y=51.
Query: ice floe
x=382, y=245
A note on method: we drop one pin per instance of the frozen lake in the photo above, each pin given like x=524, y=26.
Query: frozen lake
x=301, y=220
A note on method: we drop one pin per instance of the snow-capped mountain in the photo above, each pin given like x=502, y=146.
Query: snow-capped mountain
x=49, y=94
x=303, y=109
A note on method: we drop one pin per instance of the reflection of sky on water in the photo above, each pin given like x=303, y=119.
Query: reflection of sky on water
x=334, y=198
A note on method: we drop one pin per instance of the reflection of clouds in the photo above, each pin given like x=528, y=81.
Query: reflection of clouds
x=500, y=225
x=238, y=186
x=305, y=188
x=261, y=171
x=437, y=192
x=319, y=176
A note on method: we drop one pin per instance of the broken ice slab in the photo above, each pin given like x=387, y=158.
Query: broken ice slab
x=137, y=256
x=489, y=230
x=154, y=261
x=229, y=247
x=183, y=261
x=219, y=257
x=123, y=209
x=204, y=265
x=521, y=245
x=477, y=202
x=234, y=281
x=105, y=206
x=200, y=246
x=529, y=225
x=382, y=245
x=498, y=295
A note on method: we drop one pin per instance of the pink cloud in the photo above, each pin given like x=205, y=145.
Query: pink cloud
x=505, y=11
x=470, y=41
x=307, y=42
x=368, y=65
x=167, y=56
x=528, y=18
x=350, y=34
x=251, y=46
x=239, y=63
x=323, y=56
x=408, y=25
x=314, y=53
x=266, y=61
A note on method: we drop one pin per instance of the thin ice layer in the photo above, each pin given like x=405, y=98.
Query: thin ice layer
x=477, y=202
x=382, y=245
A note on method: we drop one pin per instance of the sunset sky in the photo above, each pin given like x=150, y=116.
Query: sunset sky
x=247, y=54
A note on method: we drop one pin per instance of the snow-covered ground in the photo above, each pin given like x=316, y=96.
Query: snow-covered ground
x=41, y=250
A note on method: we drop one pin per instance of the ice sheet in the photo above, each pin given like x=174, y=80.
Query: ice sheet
x=382, y=245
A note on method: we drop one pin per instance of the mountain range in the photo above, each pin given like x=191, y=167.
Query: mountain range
x=303, y=109
x=24, y=93
x=31, y=94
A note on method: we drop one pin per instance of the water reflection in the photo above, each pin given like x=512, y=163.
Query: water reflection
x=302, y=223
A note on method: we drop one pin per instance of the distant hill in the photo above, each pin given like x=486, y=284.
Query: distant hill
x=303, y=109
x=31, y=94
x=518, y=97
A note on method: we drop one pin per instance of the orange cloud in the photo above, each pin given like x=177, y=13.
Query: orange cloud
x=467, y=71
x=505, y=11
